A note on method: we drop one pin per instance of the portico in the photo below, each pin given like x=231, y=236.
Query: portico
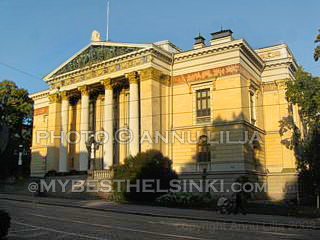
x=109, y=91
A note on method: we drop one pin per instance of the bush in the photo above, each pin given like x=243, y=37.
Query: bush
x=187, y=200
x=4, y=224
x=51, y=173
x=148, y=165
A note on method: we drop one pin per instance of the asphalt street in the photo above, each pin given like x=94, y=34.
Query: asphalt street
x=38, y=221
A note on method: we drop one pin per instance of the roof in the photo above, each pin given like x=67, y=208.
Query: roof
x=93, y=53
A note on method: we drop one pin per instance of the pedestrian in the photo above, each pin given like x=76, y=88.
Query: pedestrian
x=204, y=178
x=240, y=203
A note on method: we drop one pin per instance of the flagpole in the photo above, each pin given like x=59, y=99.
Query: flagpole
x=108, y=22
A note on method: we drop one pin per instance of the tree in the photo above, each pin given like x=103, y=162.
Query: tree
x=304, y=93
x=150, y=165
x=317, y=49
x=15, y=115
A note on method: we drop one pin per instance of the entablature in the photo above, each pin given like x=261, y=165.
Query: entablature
x=129, y=61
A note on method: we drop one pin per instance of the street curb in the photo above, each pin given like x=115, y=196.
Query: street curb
x=269, y=224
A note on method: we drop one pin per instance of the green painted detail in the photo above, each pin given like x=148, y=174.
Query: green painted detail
x=93, y=55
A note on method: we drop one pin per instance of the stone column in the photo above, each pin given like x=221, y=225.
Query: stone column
x=84, y=126
x=63, y=152
x=54, y=142
x=108, y=124
x=151, y=86
x=134, y=113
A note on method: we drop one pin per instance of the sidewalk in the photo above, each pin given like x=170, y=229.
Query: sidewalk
x=22, y=188
x=190, y=214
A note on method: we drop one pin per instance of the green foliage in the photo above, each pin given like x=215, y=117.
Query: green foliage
x=147, y=165
x=15, y=111
x=304, y=93
x=317, y=49
x=15, y=104
x=187, y=200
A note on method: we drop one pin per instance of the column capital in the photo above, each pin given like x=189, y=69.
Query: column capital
x=149, y=73
x=84, y=90
x=64, y=95
x=55, y=97
x=132, y=77
x=107, y=83
x=165, y=79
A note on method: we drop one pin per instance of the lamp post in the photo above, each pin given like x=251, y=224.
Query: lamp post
x=20, y=161
x=92, y=146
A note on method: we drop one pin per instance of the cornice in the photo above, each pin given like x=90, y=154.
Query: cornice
x=112, y=65
x=280, y=63
x=272, y=52
x=109, y=62
x=252, y=56
x=186, y=56
x=39, y=95
x=219, y=48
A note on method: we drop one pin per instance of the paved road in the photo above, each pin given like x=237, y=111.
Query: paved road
x=38, y=221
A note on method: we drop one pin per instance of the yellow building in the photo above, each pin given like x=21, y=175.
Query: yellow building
x=217, y=107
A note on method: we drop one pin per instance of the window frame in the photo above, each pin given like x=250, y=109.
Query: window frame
x=204, y=151
x=253, y=105
x=203, y=99
x=206, y=119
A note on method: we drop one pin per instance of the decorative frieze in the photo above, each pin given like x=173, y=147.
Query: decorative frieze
x=40, y=111
x=98, y=70
x=207, y=74
x=93, y=55
x=274, y=85
x=270, y=54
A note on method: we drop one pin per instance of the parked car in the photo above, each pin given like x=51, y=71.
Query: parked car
x=4, y=223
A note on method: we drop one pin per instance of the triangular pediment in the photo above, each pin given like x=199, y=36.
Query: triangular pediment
x=93, y=54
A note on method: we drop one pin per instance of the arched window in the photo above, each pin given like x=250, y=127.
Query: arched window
x=203, y=149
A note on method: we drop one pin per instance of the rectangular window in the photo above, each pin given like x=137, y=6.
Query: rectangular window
x=204, y=149
x=203, y=108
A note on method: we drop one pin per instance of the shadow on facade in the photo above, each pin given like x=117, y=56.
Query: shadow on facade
x=43, y=164
x=297, y=190
x=232, y=152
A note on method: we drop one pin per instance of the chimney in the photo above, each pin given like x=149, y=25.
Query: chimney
x=221, y=37
x=199, y=42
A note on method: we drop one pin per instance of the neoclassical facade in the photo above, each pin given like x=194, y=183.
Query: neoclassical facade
x=217, y=106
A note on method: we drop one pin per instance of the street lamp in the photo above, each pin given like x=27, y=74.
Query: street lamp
x=20, y=155
x=20, y=161
x=92, y=146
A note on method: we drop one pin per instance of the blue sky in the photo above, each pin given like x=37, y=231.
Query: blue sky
x=38, y=35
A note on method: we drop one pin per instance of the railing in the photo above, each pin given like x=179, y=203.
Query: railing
x=103, y=174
